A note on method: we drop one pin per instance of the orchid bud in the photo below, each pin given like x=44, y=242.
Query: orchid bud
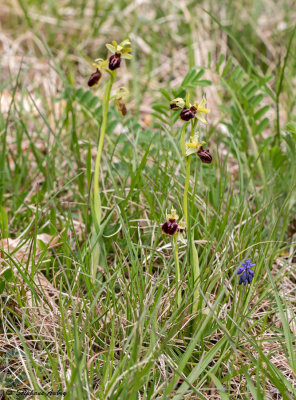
x=177, y=104
x=121, y=107
x=94, y=78
x=181, y=227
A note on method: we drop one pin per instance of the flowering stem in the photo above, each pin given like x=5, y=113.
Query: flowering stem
x=183, y=149
x=177, y=270
x=196, y=276
x=188, y=159
x=97, y=200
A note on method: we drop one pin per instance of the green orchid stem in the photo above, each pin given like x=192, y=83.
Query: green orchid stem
x=177, y=270
x=183, y=147
x=196, y=276
x=188, y=159
x=97, y=199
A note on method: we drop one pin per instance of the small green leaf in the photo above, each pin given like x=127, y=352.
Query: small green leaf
x=93, y=102
x=188, y=78
x=237, y=73
x=42, y=246
x=199, y=74
x=227, y=67
x=251, y=92
x=160, y=108
x=87, y=96
x=291, y=126
x=248, y=86
x=291, y=143
x=261, y=126
x=259, y=114
x=256, y=100
x=165, y=94
x=79, y=93
x=219, y=62
x=204, y=82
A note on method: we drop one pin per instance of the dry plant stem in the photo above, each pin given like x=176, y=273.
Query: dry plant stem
x=177, y=271
x=97, y=200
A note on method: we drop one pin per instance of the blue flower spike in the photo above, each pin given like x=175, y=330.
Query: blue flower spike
x=245, y=272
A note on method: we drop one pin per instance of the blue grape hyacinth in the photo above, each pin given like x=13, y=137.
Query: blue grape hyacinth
x=246, y=273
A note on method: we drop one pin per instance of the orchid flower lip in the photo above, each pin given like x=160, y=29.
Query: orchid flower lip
x=204, y=155
x=170, y=226
x=94, y=78
x=187, y=114
x=114, y=61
